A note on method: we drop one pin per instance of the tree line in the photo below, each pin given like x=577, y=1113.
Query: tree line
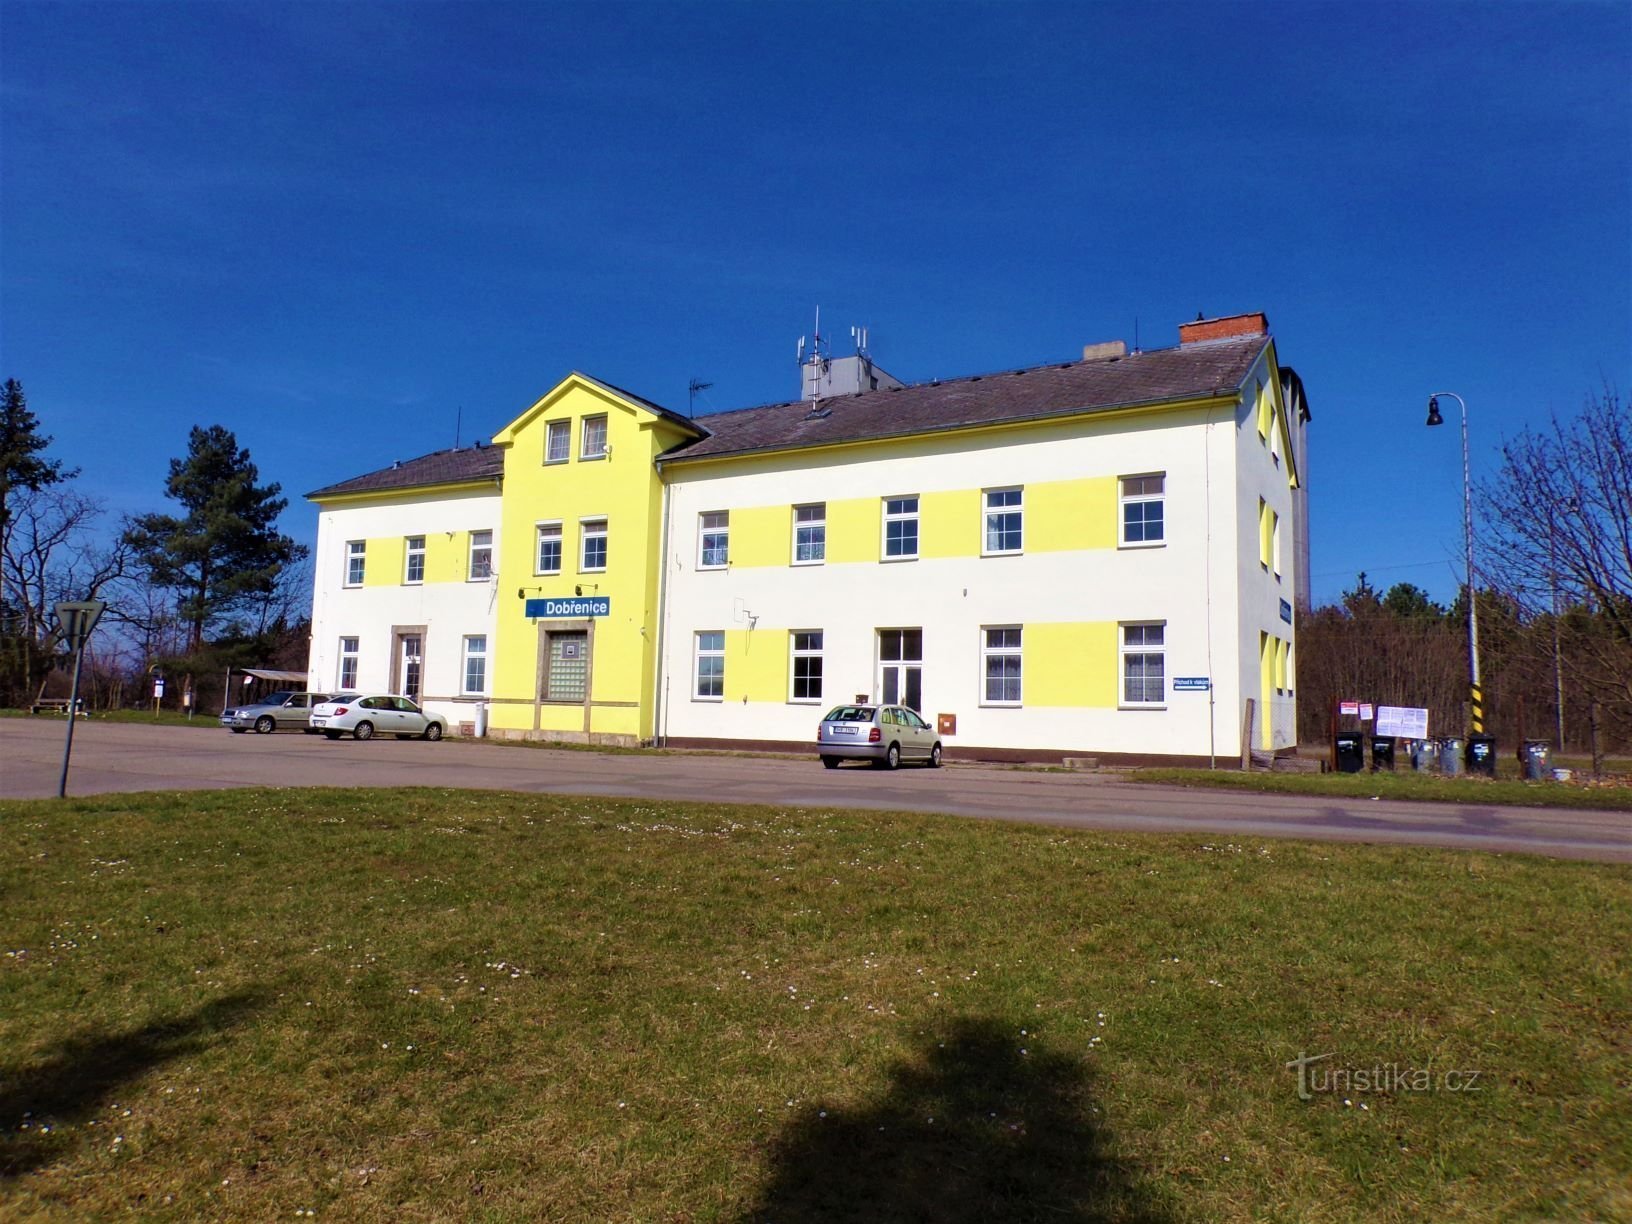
x=189, y=594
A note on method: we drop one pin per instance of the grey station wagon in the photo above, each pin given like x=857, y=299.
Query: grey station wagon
x=885, y=735
x=284, y=711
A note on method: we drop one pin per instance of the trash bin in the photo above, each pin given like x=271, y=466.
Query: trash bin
x=1351, y=751
x=1450, y=756
x=1382, y=753
x=481, y=720
x=1425, y=755
x=1538, y=761
x=1481, y=755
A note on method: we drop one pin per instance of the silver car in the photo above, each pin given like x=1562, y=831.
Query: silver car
x=885, y=735
x=377, y=714
x=281, y=711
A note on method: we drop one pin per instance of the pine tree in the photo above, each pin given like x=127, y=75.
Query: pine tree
x=226, y=550
x=22, y=461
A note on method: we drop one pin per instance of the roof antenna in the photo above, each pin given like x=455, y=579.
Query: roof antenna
x=692, y=389
x=1136, y=349
x=458, y=424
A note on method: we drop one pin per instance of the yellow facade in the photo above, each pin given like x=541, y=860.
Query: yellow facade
x=1071, y=664
x=621, y=489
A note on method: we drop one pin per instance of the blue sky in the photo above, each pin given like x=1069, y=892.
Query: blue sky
x=335, y=227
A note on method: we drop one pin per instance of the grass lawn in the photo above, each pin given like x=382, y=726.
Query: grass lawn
x=425, y=1005
x=145, y=718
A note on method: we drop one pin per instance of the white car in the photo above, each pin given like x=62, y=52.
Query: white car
x=380, y=714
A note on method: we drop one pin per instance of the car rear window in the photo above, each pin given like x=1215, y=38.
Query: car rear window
x=849, y=714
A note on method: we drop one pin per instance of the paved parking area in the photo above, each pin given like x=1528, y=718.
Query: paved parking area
x=110, y=757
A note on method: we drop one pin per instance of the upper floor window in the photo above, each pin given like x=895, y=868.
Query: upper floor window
x=1142, y=501
x=549, y=549
x=900, y=528
x=413, y=569
x=356, y=554
x=481, y=555
x=594, y=441
x=557, y=441
x=810, y=534
x=713, y=539
x=1004, y=513
x=1275, y=543
x=1266, y=538
x=593, y=556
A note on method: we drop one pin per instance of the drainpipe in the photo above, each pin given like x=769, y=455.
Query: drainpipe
x=660, y=724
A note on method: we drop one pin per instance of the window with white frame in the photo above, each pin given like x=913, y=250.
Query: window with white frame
x=900, y=528
x=346, y=675
x=557, y=441
x=1004, y=526
x=713, y=539
x=1144, y=664
x=356, y=555
x=413, y=569
x=548, y=557
x=709, y=672
x=593, y=445
x=1275, y=544
x=476, y=663
x=1000, y=655
x=1143, y=510
x=810, y=534
x=481, y=555
x=592, y=557
x=806, y=669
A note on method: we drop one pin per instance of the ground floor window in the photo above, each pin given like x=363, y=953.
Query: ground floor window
x=347, y=677
x=1144, y=664
x=476, y=663
x=1000, y=654
x=709, y=669
x=901, y=667
x=806, y=645
x=566, y=673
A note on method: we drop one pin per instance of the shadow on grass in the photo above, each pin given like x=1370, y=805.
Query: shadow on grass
x=73, y=1081
x=968, y=1129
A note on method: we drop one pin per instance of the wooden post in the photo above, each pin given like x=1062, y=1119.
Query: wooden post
x=1597, y=743
x=1331, y=734
x=1246, y=734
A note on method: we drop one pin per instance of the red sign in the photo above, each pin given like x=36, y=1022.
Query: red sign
x=1348, y=707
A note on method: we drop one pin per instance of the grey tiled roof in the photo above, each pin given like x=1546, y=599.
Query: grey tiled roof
x=1189, y=372
x=438, y=467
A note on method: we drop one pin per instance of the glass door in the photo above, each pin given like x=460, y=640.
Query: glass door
x=411, y=664
x=901, y=667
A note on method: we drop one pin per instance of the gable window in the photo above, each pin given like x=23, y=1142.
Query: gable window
x=713, y=539
x=346, y=678
x=481, y=555
x=1142, y=500
x=557, y=441
x=476, y=663
x=1000, y=653
x=356, y=554
x=709, y=683
x=806, y=645
x=549, y=549
x=593, y=445
x=413, y=570
x=593, y=557
x=900, y=528
x=1003, y=521
x=1144, y=664
x=810, y=534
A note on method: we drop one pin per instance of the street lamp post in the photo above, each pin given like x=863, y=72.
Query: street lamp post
x=1477, y=706
x=77, y=619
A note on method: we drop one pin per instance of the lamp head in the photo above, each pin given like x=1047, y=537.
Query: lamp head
x=1433, y=411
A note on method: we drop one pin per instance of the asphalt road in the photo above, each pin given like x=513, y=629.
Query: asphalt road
x=112, y=757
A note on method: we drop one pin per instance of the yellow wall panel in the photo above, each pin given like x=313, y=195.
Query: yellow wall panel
x=949, y=523
x=382, y=565
x=1070, y=664
x=1066, y=515
x=446, y=555
x=756, y=665
x=760, y=536
x=853, y=529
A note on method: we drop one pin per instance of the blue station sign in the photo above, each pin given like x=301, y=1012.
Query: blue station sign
x=1192, y=684
x=571, y=607
x=1286, y=612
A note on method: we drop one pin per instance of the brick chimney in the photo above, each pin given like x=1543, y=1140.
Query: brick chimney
x=1230, y=327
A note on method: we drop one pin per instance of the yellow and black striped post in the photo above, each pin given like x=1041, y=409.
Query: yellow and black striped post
x=1477, y=710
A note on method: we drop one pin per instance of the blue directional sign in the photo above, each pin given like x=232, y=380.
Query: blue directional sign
x=585, y=605
x=1286, y=612
x=1192, y=684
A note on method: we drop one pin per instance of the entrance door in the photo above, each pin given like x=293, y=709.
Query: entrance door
x=410, y=664
x=567, y=675
x=901, y=667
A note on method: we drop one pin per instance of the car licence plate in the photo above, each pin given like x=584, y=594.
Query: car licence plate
x=319, y=722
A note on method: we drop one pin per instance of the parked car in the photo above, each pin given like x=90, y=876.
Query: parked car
x=377, y=714
x=886, y=735
x=281, y=711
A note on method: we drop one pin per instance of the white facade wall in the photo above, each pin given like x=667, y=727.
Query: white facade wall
x=447, y=604
x=1191, y=583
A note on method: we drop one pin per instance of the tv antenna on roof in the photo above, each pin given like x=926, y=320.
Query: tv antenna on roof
x=692, y=389
x=458, y=424
x=818, y=345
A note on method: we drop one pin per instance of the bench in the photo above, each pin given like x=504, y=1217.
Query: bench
x=57, y=705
